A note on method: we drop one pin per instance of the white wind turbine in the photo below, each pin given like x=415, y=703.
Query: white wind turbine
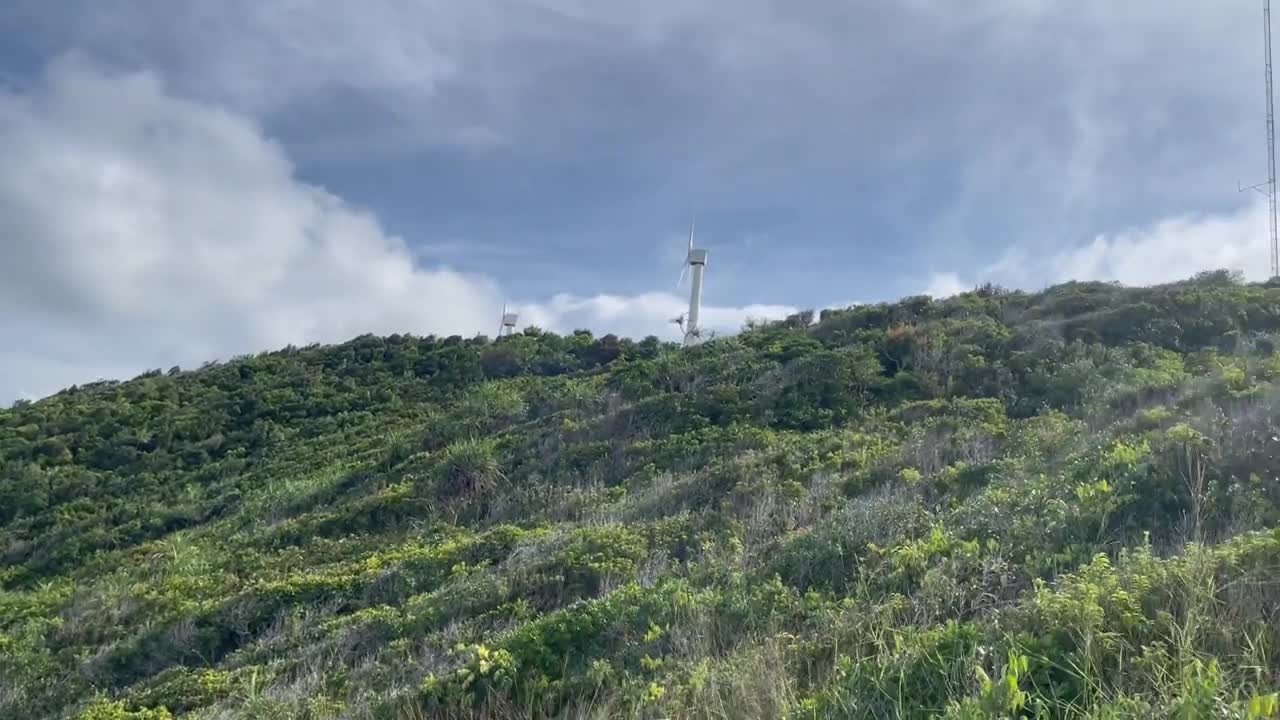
x=509, y=320
x=695, y=262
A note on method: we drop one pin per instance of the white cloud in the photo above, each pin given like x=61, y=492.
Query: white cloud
x=140, y=229
x=127, y=204
x=1169, y=250
x=946, y=284
x=1173, y=249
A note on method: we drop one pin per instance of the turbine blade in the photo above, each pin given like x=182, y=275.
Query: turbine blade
x=691, y=224
x=682, y=271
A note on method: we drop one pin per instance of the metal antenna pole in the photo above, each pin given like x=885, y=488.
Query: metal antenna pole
x=1271, y=139
x=1268, y=188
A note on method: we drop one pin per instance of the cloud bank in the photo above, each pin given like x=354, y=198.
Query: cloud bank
x=141, y=229
x=1171, y=249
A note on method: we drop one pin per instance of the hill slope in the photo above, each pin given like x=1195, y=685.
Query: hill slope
x=1064, y=502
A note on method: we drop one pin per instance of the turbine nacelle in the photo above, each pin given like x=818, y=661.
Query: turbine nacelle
x=508, y=324
x=694, y=256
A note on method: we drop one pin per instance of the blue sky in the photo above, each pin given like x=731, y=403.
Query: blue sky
x=187, y=181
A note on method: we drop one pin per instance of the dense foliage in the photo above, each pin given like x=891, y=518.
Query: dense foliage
x=1059, y=504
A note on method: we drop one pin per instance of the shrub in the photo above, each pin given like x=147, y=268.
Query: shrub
x=467, y=478
x=105, y=710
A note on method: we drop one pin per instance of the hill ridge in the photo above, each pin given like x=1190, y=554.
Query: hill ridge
x=1063, y=502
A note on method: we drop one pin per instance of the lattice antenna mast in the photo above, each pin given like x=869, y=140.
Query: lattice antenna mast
x=1268, y=188
x=1271, y=139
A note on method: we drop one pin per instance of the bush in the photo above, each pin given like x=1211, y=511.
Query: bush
x=467, y=478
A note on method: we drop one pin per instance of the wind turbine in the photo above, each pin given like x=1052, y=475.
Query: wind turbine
x=509, y=320
x=695, y=262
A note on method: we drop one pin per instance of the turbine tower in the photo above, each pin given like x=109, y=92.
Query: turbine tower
x=695, y=262
x=509, y=320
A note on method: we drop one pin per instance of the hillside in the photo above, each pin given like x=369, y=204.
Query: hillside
x=1063, y=504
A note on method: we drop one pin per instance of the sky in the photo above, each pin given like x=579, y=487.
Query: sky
x=185, y=181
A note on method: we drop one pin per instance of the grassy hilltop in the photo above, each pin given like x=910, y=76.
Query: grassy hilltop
x=1004, y=504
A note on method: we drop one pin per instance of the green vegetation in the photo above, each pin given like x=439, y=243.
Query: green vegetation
x=1063, y=504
